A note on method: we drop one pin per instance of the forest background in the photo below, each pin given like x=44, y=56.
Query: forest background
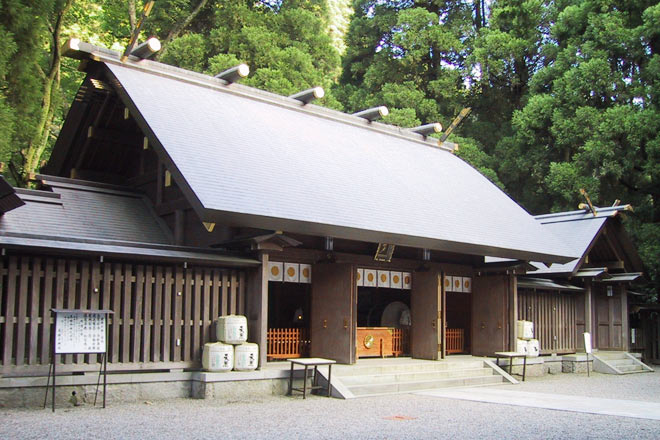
x=564, y=93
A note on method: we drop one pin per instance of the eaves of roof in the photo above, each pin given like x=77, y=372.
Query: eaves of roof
x=593, y=272
x=622, y=277
x=544, y=284
x=8, y=198
x=134, y=251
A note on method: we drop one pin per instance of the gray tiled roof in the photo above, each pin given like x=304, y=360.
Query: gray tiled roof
x=254, y=162
x=578, y=229
x=81, y=219
x=578, y=235
x=85, y=213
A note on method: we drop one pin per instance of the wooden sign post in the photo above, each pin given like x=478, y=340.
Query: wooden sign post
x=79, y=332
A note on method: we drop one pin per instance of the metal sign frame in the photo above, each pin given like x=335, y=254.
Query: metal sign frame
x=82, y=337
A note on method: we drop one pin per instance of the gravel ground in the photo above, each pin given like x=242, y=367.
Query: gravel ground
x=402, y=416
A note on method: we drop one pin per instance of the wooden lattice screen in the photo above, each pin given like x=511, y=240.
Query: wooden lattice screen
x=163, y=314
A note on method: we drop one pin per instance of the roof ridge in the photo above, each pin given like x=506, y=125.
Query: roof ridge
x=609, y=211
x=77, y=49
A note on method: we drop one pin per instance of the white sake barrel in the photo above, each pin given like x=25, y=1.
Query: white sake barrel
x=525, y=329
x=218, y=357
x=232, y=329
x=246, y=357
x=533, y=347
x=521, y=346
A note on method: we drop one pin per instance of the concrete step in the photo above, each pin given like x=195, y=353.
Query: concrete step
x=613, y=362
x=630, y=368
x=372, y=377
x=611, y=355
x=414, y=376
x=620, y=362
x=412, y=386
x=360, y=370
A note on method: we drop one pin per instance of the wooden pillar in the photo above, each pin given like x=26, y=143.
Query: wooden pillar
x=625, y=330
x=588, y=310
x=257, y=306
x=513, y=311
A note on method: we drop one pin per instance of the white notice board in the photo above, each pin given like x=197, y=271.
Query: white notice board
x=80, y=332
x=587, y=343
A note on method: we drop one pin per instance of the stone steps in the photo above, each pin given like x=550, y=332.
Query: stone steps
x=395, y=377
x=618, y=362
x=415, y=376
x=373, y=368
x=395, y=387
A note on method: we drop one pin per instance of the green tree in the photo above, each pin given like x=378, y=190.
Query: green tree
x=410, y=56
x=285, y=43
x=506, y=54
x=591, y=118
x=31, y=78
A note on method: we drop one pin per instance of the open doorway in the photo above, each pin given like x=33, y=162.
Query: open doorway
x=383, y=322
x=459, y=318
x=289, y=307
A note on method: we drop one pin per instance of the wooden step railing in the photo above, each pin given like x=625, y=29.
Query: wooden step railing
x=286, y=343
x=455, y=340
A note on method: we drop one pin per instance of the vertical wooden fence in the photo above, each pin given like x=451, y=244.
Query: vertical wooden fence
x=455, y=340
x=284, y=343
x=554, y=318
x=163, y=314
x=400, y=341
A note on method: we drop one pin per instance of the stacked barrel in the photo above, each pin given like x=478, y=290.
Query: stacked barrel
x=526, y=342
x=232, y=351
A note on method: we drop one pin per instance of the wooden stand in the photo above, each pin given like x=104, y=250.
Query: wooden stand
x=310, y=362
x=511, y=355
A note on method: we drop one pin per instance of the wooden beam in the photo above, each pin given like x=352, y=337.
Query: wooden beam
x=116, y=137
x=179, y=226
x=615, y=265
x=618, y=252
x=172, y=206
x=159, y=184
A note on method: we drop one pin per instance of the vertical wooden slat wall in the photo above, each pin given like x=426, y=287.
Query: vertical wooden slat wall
x=163, y=314
x=554, y=318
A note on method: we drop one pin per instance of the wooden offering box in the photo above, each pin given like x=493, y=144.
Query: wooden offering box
x=380, y=341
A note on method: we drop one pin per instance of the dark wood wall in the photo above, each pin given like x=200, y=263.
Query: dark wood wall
x=609, y=318
x=554, y=316
x=155, y=305
x=490, y=318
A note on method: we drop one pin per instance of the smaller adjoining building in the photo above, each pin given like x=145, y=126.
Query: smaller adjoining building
x=591, y=293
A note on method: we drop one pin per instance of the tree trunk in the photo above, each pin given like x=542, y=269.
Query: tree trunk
x=51, y=83
x=132, y=15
